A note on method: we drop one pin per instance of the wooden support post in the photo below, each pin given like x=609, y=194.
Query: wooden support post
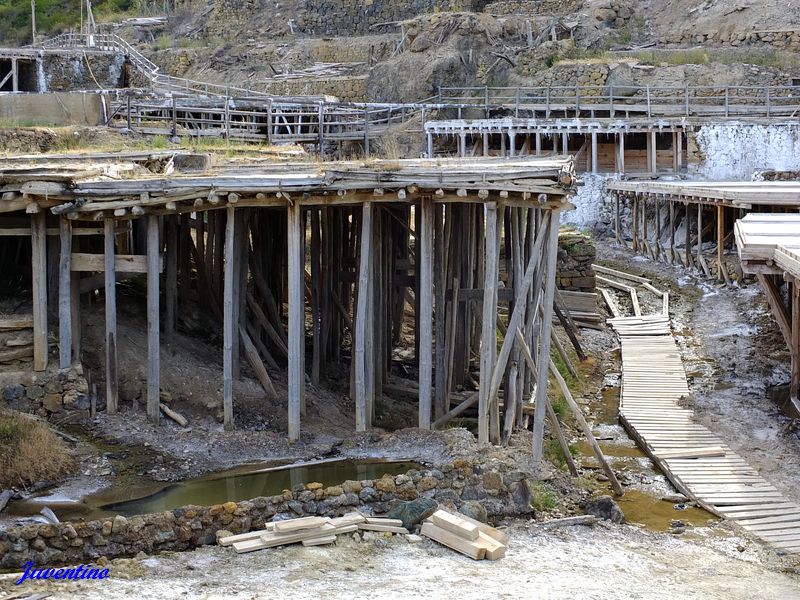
x=635, y=215
x=441, y=402
x=111, y=315
x=617, y=216
x=485, y=140
x=720, y=242
x=594, y=152
x=171, y=280
x=538, y=144
x=296, y=283
x=462, y=145
x=14, y=75
x=153, y=343
x=512, y=143
x=621, y=153
x=794, y=348
x=430, y=144
x=229, y=325
x=39, y=289
x=775, y=301
x=316, y=298
x=65, y=294
x=544, y=341
x=565, y=144
x=688, y=244
x=671, y=231
x=488, y=339
x=678, y=151
x=700, y=259
x=363, y=318
x=652, y=156
x=425, y=316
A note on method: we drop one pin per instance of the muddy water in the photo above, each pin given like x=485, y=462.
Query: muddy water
x=645, y=485
x=227, y=486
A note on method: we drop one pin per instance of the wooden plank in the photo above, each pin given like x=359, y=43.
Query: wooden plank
x=123, y=263
x=386, y=528
x=693, y=453
x=488, y=347
x=454, y=524
x=320, y=541
x=301, y=523
x=453, y=541
x=364, y=313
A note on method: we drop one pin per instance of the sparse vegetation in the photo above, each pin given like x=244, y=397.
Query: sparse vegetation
x=544, y=498
x=30, y=452
x=699, y=56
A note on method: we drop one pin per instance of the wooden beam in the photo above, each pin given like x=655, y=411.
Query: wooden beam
x=779, y=311
x=544, y=340
x=65, y=294
x=488, y=338
x=153, y=342
x=296, y=283
x=171, y=280
x=228, y=324
x=425, y=317
x=111, y=318
x=123, y=263
x=720, y=242
x=363, y=317
x=39, y=291
x=794, y=388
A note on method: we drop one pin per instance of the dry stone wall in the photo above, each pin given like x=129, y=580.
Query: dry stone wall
x=45, y=393
x=576, y=254
x=347, y=17
x=498, y=487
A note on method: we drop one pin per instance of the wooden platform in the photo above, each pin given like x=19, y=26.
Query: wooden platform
x=769, y=243
x=693, y=458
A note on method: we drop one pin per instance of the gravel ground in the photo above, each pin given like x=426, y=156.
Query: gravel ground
x=601, y=562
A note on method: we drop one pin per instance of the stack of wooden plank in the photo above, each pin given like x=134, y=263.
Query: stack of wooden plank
x=582, y=306
x=309, y=531
x=463, y=534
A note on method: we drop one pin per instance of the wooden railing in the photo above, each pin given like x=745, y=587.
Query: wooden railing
x=650, y=101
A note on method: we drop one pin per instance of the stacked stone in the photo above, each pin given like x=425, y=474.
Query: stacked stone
x=788, y=39
x=47, y=393
x=525, y=7
x=576, y=254
x=347, y=89
x=593, y=76
x=347, y=17
x=500, y=489
x=613, y=13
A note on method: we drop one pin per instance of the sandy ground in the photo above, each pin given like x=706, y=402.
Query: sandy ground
x=581, y=562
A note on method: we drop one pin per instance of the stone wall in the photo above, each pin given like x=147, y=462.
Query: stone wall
x=45, y=393
x=64, y=72
x=787, y=39
x=576, y=253
x=347, y=17
x=501, y=490
x=346, y=89
x=526, y=7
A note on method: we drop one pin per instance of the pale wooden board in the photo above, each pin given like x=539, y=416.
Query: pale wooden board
x=455, y=524
x=692, y=457
x=451, y=540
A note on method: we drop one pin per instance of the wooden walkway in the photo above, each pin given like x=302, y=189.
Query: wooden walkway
x=692, y=457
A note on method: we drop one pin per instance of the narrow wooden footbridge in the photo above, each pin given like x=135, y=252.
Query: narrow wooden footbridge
x=697, y=462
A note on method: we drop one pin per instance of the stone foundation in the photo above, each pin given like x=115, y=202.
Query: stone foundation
x=45, y=393
x=576, y=253
x=502, y=491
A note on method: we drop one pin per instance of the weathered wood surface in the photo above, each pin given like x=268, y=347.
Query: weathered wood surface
x=693, y=458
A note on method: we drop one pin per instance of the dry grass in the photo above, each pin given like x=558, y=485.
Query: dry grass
x=30, y=452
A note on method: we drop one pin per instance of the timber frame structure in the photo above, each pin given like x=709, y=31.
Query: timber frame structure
x=759, y=219
x=375, y=237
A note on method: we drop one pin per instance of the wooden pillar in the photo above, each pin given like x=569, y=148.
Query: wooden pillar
x=700, y=235
x=296, y=283
x=720, y=242
x=65, y=294
x=543, y=361
x=594, y=152
x=39, y=288
x=364, y=312
x=671, y=230
x=538, y=144
x=617, y=215
x=794, y=388
x=15, y=75
x=228, y=322
x=688, y=244
x=171, y=280
x=462, y=145
x=430, y=144
x=153, y=343
x=555, y=143
x=621, y=152
x=109, y=226
x=652, y=162
x=488, y=338
x=677, y=158
x=316, y=298
x=565, y=144
x=485, y=137
x=425, y=316
x=441, y=405
x=635, y=215
x=512, y=143
x=503, y=144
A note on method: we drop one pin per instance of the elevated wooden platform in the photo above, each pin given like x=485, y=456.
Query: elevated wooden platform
x=692, y=457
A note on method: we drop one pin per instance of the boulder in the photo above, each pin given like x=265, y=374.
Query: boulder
x=414, y=511
x=474, y=510
x=604, y=507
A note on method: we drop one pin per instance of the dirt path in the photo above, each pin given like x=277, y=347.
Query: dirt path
x=602, y=562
